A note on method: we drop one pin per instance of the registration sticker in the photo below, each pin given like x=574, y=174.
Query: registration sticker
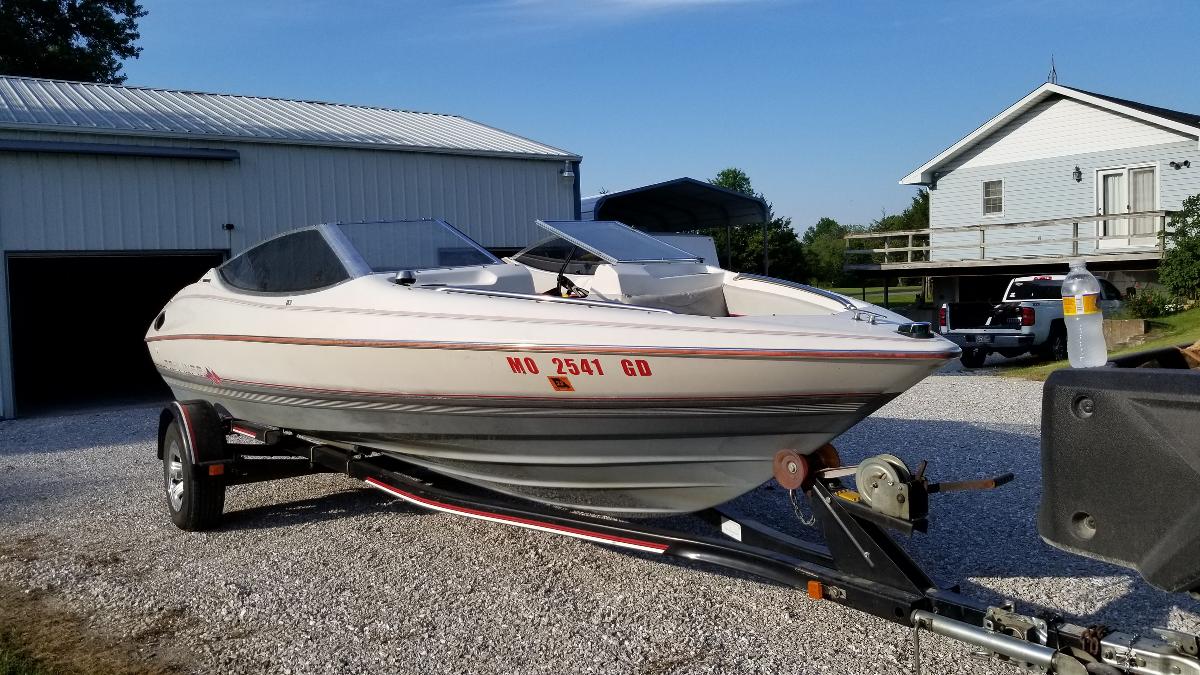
x=560, y=383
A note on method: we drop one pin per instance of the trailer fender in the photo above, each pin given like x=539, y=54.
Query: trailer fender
x=202, y=429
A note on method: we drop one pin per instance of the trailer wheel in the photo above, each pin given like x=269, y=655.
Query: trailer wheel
x=195, y=499
x=973, y=358
x=1055, y=347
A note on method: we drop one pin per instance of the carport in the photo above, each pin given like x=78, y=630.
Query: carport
x=78, y=320
x=681, y=205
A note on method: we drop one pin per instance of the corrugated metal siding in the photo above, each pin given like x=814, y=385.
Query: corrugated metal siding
x=82, y=202
x=101, y=108
x=1043, y=189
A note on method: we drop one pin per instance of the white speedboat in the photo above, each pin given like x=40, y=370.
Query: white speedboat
x=601, y=369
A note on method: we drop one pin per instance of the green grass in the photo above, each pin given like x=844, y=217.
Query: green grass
x=1182, y=328
x=14, y=660
x=897, y=295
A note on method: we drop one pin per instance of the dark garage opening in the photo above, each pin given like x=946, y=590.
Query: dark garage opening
x=78, y=323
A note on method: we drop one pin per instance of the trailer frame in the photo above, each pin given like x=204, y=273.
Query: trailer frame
x=860, y=566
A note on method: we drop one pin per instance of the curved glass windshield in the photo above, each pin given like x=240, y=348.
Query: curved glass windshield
x=290, y=263
x=553, y=253
x=413, y=245
x=616, y=242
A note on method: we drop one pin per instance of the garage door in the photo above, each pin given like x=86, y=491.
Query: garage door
x=78, y=321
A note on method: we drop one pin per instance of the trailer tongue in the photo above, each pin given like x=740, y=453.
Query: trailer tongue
x=861, y=566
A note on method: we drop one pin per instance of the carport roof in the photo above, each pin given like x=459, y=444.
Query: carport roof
x=678, y=205
x=84, y=107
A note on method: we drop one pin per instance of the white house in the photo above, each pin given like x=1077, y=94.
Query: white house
x=1041, y=182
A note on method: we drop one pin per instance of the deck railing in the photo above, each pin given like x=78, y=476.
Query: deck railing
x=1082, y=244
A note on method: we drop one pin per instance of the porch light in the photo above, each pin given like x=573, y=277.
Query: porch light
x=567, y=173
x=1077, y=174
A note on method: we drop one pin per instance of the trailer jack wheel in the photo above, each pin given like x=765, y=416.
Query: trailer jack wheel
x=195, y=499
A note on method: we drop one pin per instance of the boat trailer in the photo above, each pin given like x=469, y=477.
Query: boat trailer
x=860, y=566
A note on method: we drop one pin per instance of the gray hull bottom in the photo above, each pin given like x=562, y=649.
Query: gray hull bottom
x=609, y=458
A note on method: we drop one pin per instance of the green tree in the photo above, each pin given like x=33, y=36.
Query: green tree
x=1179, y=270
x=735, y=179
x=824, y=247
x=785, y=253
x=913, y=217
x=82, y=40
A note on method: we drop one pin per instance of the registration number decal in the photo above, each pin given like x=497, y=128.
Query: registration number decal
x=561, y=365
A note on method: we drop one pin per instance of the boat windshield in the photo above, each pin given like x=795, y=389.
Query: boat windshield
x=615, y=242
x=396, y=245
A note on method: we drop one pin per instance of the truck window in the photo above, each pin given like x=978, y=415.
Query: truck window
x=1038, y=289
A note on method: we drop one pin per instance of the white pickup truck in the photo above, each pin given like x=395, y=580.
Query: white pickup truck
x=1028, y=319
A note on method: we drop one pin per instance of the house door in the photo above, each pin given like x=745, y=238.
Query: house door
x=1142, y=197
x=1110, y=198
x=1126, y=191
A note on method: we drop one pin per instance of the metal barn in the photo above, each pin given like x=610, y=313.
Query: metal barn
x=112, y=198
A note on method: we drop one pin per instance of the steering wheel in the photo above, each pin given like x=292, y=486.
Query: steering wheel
x=568, y=289
x=565, y=288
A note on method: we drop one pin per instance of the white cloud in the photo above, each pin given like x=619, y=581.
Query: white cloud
x=572, y=11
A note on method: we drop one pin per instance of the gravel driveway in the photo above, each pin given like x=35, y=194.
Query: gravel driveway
x=321, y=575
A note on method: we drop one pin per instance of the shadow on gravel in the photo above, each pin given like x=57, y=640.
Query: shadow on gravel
x=973, y=535
x=351, y=502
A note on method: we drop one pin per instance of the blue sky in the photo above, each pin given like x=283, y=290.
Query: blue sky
x=825, y=104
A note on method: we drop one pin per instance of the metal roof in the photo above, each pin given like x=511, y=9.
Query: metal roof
x=57, y=105
x=679, y=205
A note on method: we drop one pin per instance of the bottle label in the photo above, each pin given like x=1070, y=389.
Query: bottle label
x=1082, y=303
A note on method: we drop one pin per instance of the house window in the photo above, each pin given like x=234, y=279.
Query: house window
x=993, y=197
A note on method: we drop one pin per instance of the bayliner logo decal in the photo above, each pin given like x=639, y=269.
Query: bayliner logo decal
x=560, y=383
x=211, y=376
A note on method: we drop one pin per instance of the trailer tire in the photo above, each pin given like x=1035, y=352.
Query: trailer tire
x=973, y=358
x=195, y=500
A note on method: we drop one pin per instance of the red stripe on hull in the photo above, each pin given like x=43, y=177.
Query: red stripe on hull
x=734, y=353
x=565, y=529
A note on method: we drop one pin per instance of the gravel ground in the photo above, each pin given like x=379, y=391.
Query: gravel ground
x=321, y=575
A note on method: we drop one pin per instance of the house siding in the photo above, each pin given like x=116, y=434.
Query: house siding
x=53, y=202
x=1054, y=138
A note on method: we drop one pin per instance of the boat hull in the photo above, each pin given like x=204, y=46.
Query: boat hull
x=631, y=458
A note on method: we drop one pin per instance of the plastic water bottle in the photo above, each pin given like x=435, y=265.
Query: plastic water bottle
x=1081, y=313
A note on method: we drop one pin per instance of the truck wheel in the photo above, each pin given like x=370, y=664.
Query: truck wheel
x=973, y=358
x=195, y=499
x=1055, y=348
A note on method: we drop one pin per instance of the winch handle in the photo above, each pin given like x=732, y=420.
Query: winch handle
x=979, y=484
